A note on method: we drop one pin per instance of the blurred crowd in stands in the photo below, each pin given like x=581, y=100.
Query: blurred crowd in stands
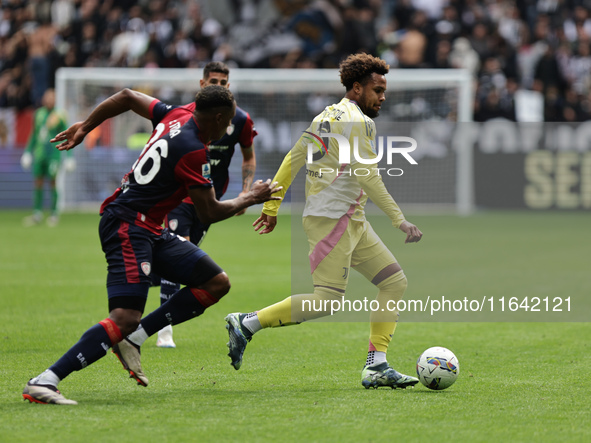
x=508, y=46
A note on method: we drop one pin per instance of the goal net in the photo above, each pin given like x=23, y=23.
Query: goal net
x=418, y=102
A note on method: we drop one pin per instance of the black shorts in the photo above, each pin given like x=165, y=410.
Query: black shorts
x=133, y=253
x=183, y=221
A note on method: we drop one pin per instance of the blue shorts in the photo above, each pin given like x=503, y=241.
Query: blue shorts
x=133, y=253
x=183, y=221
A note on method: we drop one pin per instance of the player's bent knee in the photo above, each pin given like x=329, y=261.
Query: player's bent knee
x=218, y=286
x=396, y=281
x=127, y=320
x=387, y=272
x=213, y=290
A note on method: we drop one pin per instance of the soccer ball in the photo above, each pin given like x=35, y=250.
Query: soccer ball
x=438, y=368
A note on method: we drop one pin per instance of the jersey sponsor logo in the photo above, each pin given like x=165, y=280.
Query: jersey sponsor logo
x=314, y=174
x=218, y=147
x=230, y=129
x=215, y=161
x=173, y=224
x=206, y=171
x=146, y=267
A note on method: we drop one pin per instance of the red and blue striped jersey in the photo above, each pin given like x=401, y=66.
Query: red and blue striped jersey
x=241, y=131
x=173, y=161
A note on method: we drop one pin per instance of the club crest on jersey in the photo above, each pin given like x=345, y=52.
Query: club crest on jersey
x=146, y=267
x=173, y=224
x=206, y=171
x=230, y=129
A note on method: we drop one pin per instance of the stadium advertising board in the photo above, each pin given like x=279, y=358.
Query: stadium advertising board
x=533, y=165
x=537, y=166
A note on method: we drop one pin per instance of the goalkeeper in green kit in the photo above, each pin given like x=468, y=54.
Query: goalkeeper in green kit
x=43, y=158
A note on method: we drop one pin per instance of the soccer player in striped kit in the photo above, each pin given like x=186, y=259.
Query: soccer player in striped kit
x=183, y=219
x=173, y=164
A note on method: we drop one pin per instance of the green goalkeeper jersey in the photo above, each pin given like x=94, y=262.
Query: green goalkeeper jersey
x=47, y=124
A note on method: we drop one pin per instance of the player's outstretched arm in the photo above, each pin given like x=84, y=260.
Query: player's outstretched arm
x=413, y=234
x=249, y=166
x=376, y=190
x=211, y=210
x=123, y=101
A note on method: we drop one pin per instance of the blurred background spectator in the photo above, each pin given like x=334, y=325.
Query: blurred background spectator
x=535, y=45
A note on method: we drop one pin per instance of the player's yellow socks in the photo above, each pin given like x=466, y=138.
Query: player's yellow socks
x=275, y=315
x=383, y=323
x=290, y=312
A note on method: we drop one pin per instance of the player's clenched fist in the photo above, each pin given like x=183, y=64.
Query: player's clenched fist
x=263, y=191
x=413, y=234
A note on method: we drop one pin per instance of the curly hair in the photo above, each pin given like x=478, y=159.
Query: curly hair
x=213, y=96
x=359, y=67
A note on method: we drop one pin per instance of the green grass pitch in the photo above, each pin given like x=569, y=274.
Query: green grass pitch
x=519, y=381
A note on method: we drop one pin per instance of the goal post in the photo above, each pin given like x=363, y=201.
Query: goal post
x=275, y=99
